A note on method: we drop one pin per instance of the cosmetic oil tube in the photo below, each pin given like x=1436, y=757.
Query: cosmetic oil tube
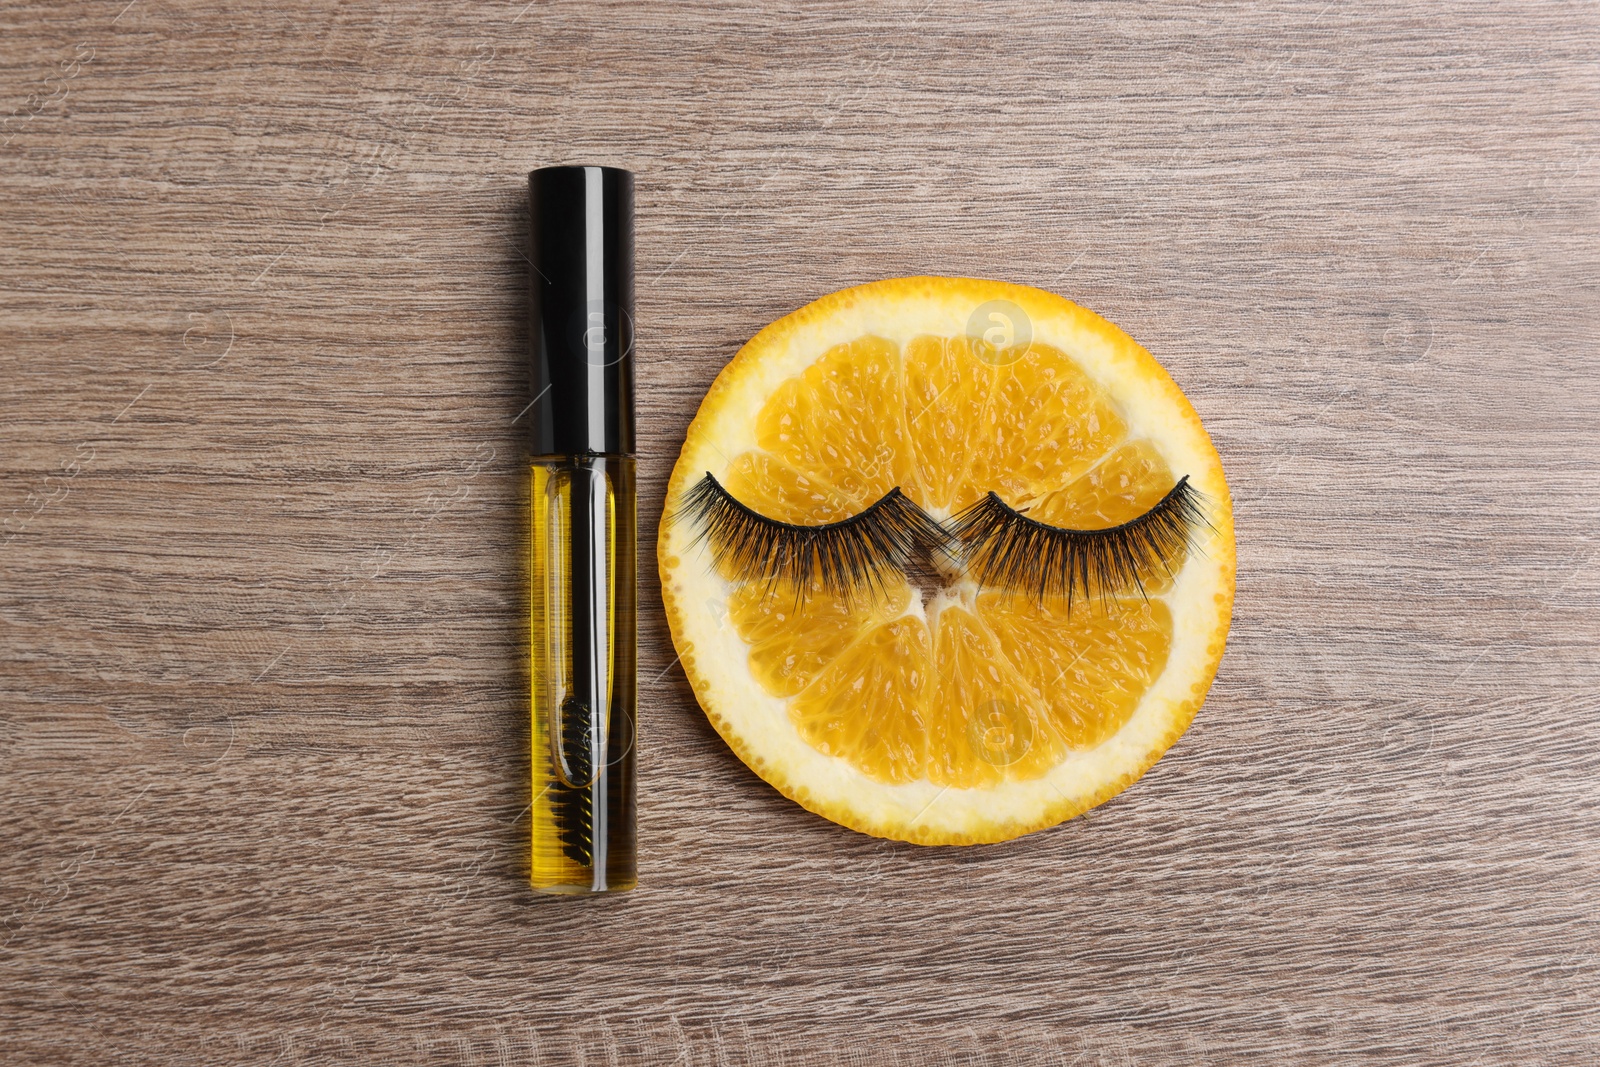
x=582, y=607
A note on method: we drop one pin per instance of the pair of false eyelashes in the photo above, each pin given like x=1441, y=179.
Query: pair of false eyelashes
x=1002, y=547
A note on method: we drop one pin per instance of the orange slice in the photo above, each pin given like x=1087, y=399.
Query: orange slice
x=937, y=710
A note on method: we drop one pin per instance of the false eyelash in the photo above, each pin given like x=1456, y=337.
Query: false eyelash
x=1008, y=550
x=842, y=558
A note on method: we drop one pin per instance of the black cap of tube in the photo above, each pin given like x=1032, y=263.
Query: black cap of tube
x=581, y=314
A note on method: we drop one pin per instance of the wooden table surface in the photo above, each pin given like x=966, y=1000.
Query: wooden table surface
x=263, y=751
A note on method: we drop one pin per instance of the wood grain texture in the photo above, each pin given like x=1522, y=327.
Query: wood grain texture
x=262, y=753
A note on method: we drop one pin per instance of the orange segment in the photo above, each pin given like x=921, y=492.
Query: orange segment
x=947, y=397
x=792, y=639
x=868, y=706
x=778, y=491
x=1047, y=423
x=985, y=725
x=1088, y=668
x=1123, y=486
x=841, y=421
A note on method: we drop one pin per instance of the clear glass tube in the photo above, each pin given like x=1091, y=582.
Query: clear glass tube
x=583, y=661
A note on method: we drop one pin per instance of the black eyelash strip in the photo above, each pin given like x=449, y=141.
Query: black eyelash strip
x=843, y=558
x=1007, y=550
